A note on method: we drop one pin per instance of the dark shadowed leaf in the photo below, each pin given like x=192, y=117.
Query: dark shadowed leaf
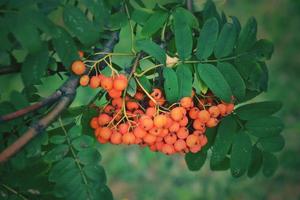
x=270, y=164
x=256, y=162
x=185, y=80
x=271, y=144
x=195, y=161
x=152, y=49
x=226, y=41
x=248, y=36
x=170, y=85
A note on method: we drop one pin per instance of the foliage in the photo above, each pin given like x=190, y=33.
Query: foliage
x=42, y=38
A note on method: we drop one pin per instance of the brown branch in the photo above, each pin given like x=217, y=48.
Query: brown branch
x=135, y=64
x=189, y=5
x=19, y=113
x=68, y=90
x=10, y=69
x=37, y=128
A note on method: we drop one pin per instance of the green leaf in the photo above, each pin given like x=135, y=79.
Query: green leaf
x=170, y=85
x=57, y=153
x=222, y=166
x=89, y=156
x=195, y=161
x=189, y=17
x=145, y=83
x=155, y=22
x=34, y=67
x=248, y=36
x=131, y=89
x=234, y=79
x=4, y=58
x=258, y=110
x=57, y=139
x=223, y=141
x=75, y=131
x=263, y=49
x=265, y=127
x=271, y=144
x=123, y=46
x=60, y=168
x=26, y=33
x=185, y=80
x=256, y=162
x=183, y=36
x=270, y=164
x=226, y=41
x=152, y=49
x=18, y=100
x=207, y=39
x=83, y=142
x=95, y=173
x=215, y=81
x=80, y=26
x=65, y=47
x=240, y=154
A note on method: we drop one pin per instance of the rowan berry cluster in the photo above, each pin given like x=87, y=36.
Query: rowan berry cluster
x=148, y=119
x=179, y=128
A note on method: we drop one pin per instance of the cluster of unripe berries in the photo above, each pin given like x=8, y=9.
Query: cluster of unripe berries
x=177, y=129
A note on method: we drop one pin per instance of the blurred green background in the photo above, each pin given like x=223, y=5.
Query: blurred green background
x=137, y=174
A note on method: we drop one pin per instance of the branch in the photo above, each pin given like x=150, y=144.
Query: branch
x=10, y=69
x=189, y=5
x=68, y=94
x=59, y=93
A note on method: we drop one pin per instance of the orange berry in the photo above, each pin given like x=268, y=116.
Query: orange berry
x=169, y=122
x=174, y=127
x=193, y=113
x=138, y=112
x=198, y=124
x=212, y=122
x=160, y=120
x=222, y=109
x=155, y=131
x=214, y=111
x=139, y=96
x=159, y=146
x=183, y=133
x=150, y=111
x=159, y=139
x=131, y=105
x=94, y=123
x=84, y=80
x=192, y=140
x=105, y=133
x=113, y=93
x=198, y=132
x=195, y=148
x=120, y=82
x=104, y=119
x=117, y=103
x=78, y=67
x=107, y=83
x=179, y=145
x=123, y=128
x=81, y=54
x=128, y=138
x=116, y=138
x=229, y=108
x=156, y=94
x=177, y=113
x=109, y=109
x=153, y=147
x=97, y=131
x=139, y=132
x=149, y=139
x=164, y=132
x=167, y=149
x=161, y=101
x=102, y=140
x=95, y=82
x=170, y=138
x=152, y=103
x=184, y=121
x=146, y=122
x=203, y=116
x=138, y=140
x=203, y=140
x=186, y=102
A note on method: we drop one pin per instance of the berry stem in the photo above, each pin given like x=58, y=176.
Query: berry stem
x=141, y=86
x=147, y=70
